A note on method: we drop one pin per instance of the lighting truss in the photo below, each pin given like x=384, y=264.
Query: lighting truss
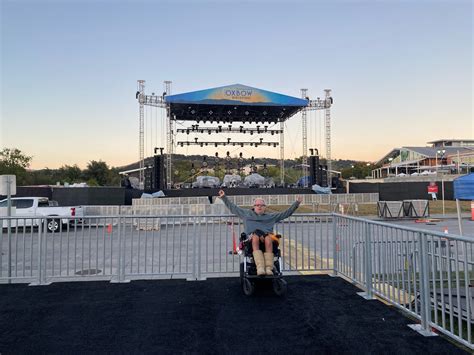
x=228, y=129
x=227, y=143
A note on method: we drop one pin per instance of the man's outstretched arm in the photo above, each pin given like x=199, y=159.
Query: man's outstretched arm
x=285, y=214
x=241, y=212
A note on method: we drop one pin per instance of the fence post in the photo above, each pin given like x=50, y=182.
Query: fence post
x=121, y=253
x=121, y=250
x=42, y=253
x=42, y=226
x=199, y=253
x=192, y=221
x=368, y=294
x=425, y=297
x=334, y=245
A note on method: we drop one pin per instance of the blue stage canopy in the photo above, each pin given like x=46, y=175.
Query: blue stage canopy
x=234, y=103
x=236, y=94
x=464, y=187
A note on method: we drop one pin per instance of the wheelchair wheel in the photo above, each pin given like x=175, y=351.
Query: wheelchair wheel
x=247, y=287
x=279, y=287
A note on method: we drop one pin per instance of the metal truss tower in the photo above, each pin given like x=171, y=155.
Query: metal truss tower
x=328, y=100
x=141, y=131
x=304, y=129
x=169, y=138
x=325, y=104
x=282, y=153
x=145, y=100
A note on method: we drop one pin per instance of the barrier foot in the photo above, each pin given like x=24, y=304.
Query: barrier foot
x=196, y=279
x=424, y=332
x=39, y=284
x=119, y=282
x=366, y=296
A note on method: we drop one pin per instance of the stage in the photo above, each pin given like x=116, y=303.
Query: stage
x=236, y=191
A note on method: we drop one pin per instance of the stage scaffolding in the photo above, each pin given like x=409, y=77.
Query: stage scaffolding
x=159, y=101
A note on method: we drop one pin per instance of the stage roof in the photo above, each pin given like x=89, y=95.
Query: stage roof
x=234, y=103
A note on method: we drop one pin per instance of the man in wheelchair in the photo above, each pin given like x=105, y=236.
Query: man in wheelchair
x=259, y=226
x=263, y=240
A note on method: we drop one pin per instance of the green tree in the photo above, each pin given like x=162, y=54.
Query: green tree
x=114, y=177
x=97, y=173
x=41, y=177
x=358, y=170
x=70, y=174
x=14, y=162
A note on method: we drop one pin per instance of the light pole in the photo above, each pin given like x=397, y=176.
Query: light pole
x=389, y=166
x=441, y=153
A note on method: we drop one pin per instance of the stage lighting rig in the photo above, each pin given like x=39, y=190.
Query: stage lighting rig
x=229, y=129
x=227, y=143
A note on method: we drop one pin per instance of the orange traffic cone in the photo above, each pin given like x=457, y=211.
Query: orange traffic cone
x=234, y=245
x=445, y=230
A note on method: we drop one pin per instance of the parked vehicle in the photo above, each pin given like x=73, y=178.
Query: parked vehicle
x=27, y=208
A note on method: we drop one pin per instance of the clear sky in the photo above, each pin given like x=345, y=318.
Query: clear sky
x=401, y=71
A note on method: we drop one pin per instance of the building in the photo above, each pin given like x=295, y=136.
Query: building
x=455, y=156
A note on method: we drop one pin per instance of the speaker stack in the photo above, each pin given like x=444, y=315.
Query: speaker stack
x=149, y=178
x=323, y=173
x=159, y=176
x=155, y=177
x=313, y=169
x=318, y=174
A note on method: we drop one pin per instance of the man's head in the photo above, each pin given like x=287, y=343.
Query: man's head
x=259, y=206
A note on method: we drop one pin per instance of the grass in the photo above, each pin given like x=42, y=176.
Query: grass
x=370, y=209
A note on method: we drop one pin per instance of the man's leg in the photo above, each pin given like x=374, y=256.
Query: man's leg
x=258, y=255
x=268, y=256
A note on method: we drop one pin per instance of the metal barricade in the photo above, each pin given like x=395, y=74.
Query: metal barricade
x=429, y=275
x=121, y=248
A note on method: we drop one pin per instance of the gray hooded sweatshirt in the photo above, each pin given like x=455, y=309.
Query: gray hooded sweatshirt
x=252, y=221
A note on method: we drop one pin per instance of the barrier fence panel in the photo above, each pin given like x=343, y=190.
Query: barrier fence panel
x=306, y=243
x=120, y=248
x=427, y=274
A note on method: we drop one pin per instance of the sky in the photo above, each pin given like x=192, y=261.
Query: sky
x=401, y=72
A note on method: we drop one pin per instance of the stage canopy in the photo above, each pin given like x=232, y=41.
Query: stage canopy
x=232, y=103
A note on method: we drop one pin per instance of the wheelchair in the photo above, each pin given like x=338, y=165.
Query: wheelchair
x=248, y=269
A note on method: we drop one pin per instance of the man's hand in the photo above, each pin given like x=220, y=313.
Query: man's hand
x=221, y=193
x=299, y=199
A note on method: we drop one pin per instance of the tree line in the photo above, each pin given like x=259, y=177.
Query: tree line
x=98, y=173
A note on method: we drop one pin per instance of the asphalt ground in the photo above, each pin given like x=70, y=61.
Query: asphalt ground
x=319, y=314
x=437, y=223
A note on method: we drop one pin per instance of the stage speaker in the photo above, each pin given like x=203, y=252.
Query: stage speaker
x=159, y=176
x=323, y=176
x=148, y=178
x=313, y=169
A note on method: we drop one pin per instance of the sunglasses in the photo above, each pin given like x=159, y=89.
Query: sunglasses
x=259, y=205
